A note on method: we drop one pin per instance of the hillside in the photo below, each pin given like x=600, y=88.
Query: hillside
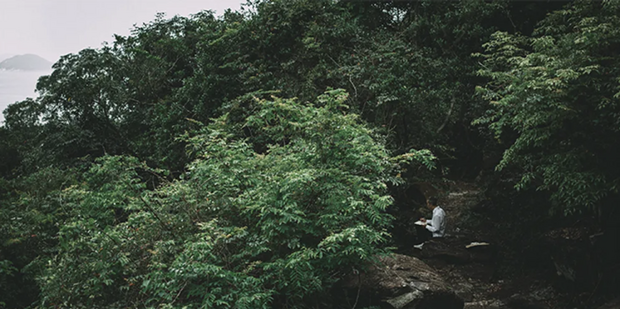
x=278, y=158
x=28, y=62
x=5, y=56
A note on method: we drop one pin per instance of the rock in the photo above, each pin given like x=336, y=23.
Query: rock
x=403, y=282
x=464, y=290
x=405, y=299
x=485, y=304
x=542, y=294
x=613, y=304
x=524, y=303
x=448, y=249
x=571, y=254
x=454, y=251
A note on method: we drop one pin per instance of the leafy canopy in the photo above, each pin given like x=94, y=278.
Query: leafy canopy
x=276, y=204
x=555, y=103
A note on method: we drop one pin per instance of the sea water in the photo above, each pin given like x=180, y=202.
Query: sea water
x=16, y=86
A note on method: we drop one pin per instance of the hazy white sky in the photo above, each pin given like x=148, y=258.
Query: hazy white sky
x=51, y=28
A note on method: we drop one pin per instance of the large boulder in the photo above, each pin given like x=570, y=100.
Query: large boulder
x=401, y=282
x=458, y=250
x=485, y=304
x=612, y=304
x=572, y=255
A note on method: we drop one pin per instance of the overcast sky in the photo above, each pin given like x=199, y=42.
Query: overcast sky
x=51, y=28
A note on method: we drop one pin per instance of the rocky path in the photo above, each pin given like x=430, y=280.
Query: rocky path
x=474, y=273
x=499, y=272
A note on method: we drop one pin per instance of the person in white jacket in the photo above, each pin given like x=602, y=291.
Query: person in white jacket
x=437, y=224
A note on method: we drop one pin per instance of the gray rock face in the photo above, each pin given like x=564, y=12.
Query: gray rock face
x=453, y=250
x=464, y=290
x=612, y=304
x=485, y=304
x=404, y=282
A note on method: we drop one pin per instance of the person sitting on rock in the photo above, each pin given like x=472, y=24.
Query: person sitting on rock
x=437, y=224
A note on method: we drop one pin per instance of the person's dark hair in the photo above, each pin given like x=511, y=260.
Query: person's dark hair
x=432, y=200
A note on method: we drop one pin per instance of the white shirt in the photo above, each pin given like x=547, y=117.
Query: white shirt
x=437, y=225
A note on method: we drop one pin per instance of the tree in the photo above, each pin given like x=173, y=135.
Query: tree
x=555, y=103
x=243, y=227
x=31, y=212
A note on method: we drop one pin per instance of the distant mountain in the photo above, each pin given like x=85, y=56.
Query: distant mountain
x=26, y=62
x=5, y=56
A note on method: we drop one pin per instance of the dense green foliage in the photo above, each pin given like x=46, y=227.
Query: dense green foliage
x=556, y=101
x=241, y=228
x=159, y=170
